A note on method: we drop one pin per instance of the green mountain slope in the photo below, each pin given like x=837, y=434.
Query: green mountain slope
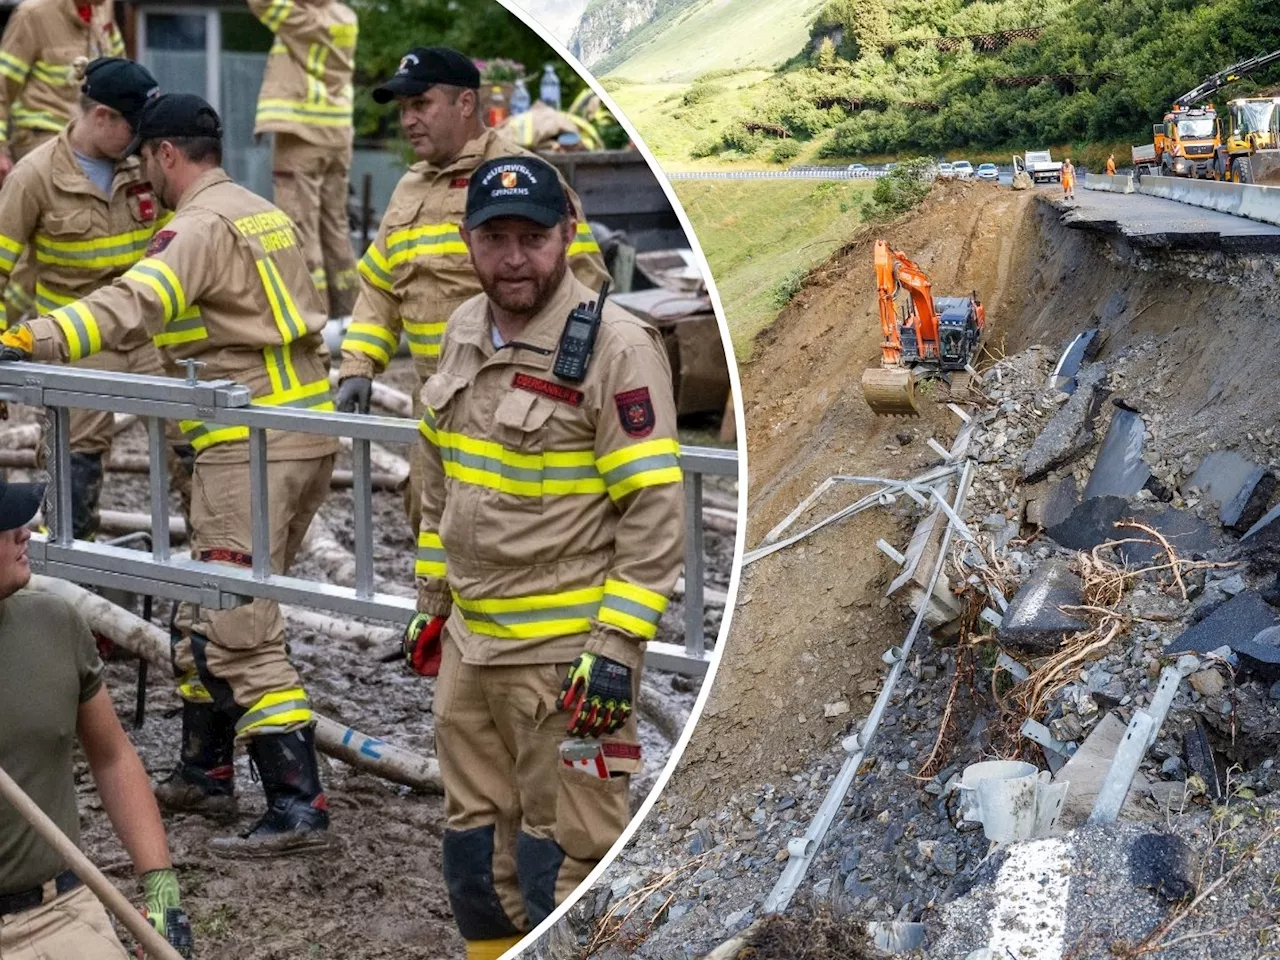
x=1098, y=71
x=692, y=37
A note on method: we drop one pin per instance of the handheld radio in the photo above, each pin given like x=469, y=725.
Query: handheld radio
x=579, y=338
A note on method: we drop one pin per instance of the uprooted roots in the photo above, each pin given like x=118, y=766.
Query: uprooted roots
x=819, y=936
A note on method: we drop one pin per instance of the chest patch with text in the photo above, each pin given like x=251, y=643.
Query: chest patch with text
x=635, y=412
x=556, y=391
x=459, y=183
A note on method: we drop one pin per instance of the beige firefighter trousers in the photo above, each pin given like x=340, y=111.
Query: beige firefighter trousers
x=521, y=824
x=244, y=647
x=311, y=187
x=73, y=925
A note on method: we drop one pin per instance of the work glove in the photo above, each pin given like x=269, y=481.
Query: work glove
x=354, y=394
x=163, y=912
x=423, y=643
x=597, y=694
x=17, y=344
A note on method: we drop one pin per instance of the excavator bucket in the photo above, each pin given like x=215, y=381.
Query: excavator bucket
x=890, y=391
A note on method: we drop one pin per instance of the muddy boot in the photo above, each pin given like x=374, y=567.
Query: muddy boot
x=297, y=817
x=205, y=780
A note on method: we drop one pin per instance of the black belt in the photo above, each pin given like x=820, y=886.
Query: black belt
x=35, y=897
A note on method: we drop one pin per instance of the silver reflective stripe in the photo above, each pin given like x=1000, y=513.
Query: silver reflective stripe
x=266, y=713
x=659, y=461
x=631, y=608
x=578, y=611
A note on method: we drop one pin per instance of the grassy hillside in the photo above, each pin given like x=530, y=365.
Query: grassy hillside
x=709, y=35
x=868, y=86
x=761, y=237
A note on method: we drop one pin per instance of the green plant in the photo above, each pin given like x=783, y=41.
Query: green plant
x=785, y=151
x=785, y=290
x=499, y=70
x=900, y=190
x=701, y=91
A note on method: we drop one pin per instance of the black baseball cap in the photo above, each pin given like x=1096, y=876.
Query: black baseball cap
x=523, y=186
x=123, y=85
x=174, y=115
x=18, y=503
x=423, y=67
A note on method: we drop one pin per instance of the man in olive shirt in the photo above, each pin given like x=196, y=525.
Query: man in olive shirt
x=51, y=694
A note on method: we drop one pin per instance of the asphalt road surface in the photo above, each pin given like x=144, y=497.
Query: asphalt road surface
x=1155, y=222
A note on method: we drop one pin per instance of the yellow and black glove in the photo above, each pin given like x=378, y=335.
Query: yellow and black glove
x=17, y=344
x=597, y=694
x=424, y=644
x=164, y=912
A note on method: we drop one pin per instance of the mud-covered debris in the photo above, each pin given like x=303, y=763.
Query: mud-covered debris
x=1162, y=862
x=1091, y=522
x=1236, y=624
x=795, y=936
x=1238, y=486
x=1190, y=537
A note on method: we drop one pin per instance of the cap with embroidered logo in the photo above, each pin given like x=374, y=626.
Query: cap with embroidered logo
x=523, y=187
x=424, y=67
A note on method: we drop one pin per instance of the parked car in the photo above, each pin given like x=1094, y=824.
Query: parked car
x=989, y=172
x=946, y=171
x=963, y=169
x=858, y=169
x=889, y=167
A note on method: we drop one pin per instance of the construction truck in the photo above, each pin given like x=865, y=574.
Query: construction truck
x=1040, y=166
x=1250, y=151
x=926, y=336
x=1188, y=143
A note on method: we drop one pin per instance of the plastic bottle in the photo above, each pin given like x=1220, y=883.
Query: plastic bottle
x=497, y=106
x=550, y=92
x=520, y=99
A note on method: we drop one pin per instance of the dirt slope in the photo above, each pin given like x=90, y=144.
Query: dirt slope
x=811, y=623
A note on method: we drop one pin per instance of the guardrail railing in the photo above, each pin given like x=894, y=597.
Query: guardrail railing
x=161, y=574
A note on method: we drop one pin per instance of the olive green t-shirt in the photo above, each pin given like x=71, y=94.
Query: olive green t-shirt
x=49, y=666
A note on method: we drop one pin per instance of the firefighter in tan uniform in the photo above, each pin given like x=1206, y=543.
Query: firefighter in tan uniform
x=306, y=103
x=227, y=279
x=552, y=535
x=88, y=215
x=38, y=90
x=417, y=272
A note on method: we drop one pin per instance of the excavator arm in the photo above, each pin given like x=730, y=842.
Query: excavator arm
x=1217, y=81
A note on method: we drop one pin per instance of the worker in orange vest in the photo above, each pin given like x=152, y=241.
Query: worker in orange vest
x=1068, y=179
x=1111, y=165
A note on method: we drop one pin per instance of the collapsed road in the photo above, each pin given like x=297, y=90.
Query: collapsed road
x=1126, y=381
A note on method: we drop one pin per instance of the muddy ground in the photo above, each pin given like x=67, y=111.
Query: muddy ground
x=378, y=893
x=1199, y=345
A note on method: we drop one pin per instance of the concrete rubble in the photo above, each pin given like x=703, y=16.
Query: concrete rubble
x=1047, y=495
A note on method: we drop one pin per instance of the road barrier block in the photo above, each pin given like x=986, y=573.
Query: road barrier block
x=1110, y=184
x=1249, y=200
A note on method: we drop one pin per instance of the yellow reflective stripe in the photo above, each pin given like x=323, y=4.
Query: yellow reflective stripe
x=532, y=617
x=10, y=251
x=288, y=322
x=48, y=300
x=431, y=556
x=344, y=35
x=316, y=57
x=304, y=111
x=200, y=434
x=631, y=607
x=119, y=250
x=485, y=463
x=424, y=339
x=114, y=41
x=276, y=712
x=584, y=242
x=320, y=279
x=428, y=239
x=186, y=328
x=371, y=340
x=54, y=74
x=157, y=275
x=374, y=268
x=36, y=119
x=427, y=427
x=309, y=396
x=14, y=68
x=81, y=330
x=638, y=465
x=276, y=13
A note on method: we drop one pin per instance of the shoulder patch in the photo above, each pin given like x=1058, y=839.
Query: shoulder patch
x=460, y=183
x=635, y=412
x=556, y=391
x=160, y=241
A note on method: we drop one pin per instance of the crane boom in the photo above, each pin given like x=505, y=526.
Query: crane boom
x=1217, y=81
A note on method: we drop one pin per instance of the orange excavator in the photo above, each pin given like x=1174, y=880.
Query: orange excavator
x=928, y=336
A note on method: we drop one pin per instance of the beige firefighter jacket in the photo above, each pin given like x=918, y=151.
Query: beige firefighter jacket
x=417, y=271
x=82, y=238
x=224, y=283
x=552, y=512
x=540, y=128
x=306, y=90
x=38, y=89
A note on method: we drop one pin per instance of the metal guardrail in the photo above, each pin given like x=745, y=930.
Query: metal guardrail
x=833, y=174
x=157, y=399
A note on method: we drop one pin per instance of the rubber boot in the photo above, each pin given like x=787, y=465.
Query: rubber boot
x=490, y=949
x=297, y=817
x=205, y=778
x=86, y=491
